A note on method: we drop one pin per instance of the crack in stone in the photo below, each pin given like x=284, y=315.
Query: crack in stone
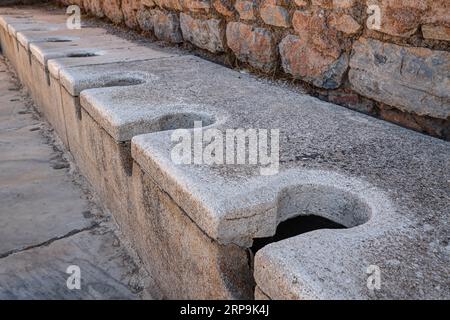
x=50, y=241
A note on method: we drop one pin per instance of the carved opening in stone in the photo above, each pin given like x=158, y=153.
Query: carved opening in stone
x=123, y=82
x=57, y=40
x=82, y=55
x=112, y=81
x=37, y=29
x=306, y=208
x=183, y=120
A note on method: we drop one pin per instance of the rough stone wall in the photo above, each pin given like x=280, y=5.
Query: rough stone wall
x=397, y=69
x=20, y=2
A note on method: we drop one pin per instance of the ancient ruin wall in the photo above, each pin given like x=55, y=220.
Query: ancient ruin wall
x=4, y=3
x=389, y=58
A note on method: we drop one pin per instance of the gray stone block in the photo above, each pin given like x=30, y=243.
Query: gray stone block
x=185, y=262
x=414, y=80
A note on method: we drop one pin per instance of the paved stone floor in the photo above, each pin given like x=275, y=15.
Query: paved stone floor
x=48, y=216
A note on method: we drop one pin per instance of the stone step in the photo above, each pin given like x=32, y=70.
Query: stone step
x=196, y=221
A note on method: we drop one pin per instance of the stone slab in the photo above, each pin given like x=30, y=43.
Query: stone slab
x=25, y=38
x=22, y=21
x=129, y=54
x=124, y=123
x=329, y=264
x=183, y=260
x=40, y=273
x=37, y=26
x=38, y=202
x=45, y=90
x=35, y=18
x=44, y=51
x=415, y=80
x=47, y=220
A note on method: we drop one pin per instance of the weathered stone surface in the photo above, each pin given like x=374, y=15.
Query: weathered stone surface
x=124, y=123
x=147, y=17
x=91, y=44
x=186, y=263
x=436, y=32
x=49, y=219
x=316, y=54
x=197, y=5
x=437, y=13
x=90, y=144
x=275, y=15
x=25, y=38
x=255, y=46
x=259, y=295
x=43, y=80
x=386, y=193
x=107, y=166
x=40, y=273
x=403, y=18
x=130, y=9
x=170, y=4
x=79, y=3
x=59, y=68
x=345, y=23
x=144, y=18
x=303, y=62
x=43, y=88
x=343, y=4
x=326, y=4
x=166, y=26
x=148, y=3
x=412, y=79
x=141, y=111
x=206, y=34
x=14, y=27
x=113, y=10
x=38, y=203
x=311, y=26
x=246, y=9
x=223, y=7
x=95, y=7
x=301, y=3
x=225, y=270
x=397, y=200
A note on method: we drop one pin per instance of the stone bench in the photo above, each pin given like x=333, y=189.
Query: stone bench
x=36, y=49
x=32, y=20
x=204, y=230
